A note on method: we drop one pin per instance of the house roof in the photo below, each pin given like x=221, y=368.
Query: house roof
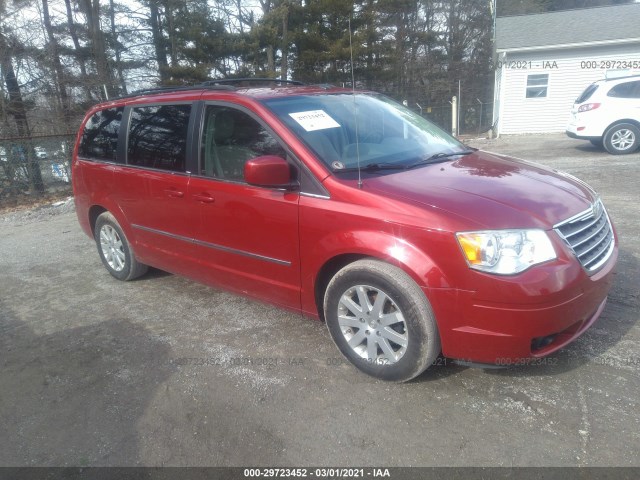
x=601, y=25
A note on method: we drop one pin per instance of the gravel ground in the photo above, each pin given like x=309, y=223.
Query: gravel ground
x=165, y=371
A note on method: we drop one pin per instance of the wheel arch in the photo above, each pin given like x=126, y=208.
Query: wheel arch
x=633, y=122
x=412, y=260
x=327, y=272
x=96, y=209
x=94, y=212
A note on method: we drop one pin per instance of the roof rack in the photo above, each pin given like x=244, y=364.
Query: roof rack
x=621, y=77
x=222, y=84
x=234, y=81
x=177, y=88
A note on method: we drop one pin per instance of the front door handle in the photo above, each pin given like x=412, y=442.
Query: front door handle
x=204, y=198
x=174, y=193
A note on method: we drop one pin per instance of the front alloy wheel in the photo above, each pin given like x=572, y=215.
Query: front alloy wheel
x=373, y=325
x=380, y=319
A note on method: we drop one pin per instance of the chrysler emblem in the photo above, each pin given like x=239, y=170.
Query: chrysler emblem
x=596, y=209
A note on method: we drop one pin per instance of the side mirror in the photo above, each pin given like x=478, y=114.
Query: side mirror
x=268, y=171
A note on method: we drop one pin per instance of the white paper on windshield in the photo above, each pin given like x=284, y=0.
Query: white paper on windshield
x=314, y=120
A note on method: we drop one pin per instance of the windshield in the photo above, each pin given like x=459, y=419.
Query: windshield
x=340, y=128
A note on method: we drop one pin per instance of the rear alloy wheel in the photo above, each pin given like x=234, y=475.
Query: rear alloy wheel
x=622, y=139
x=114, y=249
x=381, y=321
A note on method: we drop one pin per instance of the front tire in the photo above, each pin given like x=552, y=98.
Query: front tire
x=621, y=139
x=381, y=320
x=114, y=249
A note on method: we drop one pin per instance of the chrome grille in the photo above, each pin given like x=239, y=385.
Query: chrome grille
x=589, y=235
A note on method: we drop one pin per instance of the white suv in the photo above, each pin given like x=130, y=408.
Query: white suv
x=608, y=114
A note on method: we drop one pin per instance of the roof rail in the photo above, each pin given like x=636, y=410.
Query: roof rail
x=222, y=84
x=176, y=88
x=233, y=81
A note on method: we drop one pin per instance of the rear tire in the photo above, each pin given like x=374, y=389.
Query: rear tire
x=622, y=139
x=381, y=320
x=114, y=249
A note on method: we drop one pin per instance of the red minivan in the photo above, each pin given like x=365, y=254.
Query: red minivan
x=350, y=208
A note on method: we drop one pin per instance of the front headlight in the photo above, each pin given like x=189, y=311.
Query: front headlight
x=505, y=252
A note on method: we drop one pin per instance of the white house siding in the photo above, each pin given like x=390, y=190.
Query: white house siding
x=518, y=114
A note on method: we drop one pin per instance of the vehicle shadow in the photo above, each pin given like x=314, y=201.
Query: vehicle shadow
x=74, y=397
x=588, y=147
x=152, y=274
x=618, y=317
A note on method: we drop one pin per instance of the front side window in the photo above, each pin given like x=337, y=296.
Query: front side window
x=230, y=137
x=345, y=130
x=158, y=137
x=100, y=136
x=537, y=85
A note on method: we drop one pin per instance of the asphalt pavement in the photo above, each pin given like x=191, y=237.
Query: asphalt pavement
x=165, y=371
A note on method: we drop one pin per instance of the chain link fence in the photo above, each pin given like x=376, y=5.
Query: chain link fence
x=39, y=164
x=475, y=118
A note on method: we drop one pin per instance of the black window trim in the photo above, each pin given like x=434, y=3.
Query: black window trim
x=123, y=139
x=309, y=184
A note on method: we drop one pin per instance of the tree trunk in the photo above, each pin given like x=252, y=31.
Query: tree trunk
x=92, y=12
x=173, y=51
x=57, y=67
x=271, y=63
x=116, y=47
x=20, y=115
x=158, y=42
x=79, y=51
x=285, y=47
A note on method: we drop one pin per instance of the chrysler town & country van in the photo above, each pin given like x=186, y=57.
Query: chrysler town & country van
x=347, y=207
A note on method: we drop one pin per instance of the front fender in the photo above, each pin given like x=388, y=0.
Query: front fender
x=391, y=247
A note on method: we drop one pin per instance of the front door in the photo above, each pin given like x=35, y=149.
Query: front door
x=246, y=236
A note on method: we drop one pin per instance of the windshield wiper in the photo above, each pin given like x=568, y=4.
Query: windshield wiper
x=437, y=157
x=372, y=167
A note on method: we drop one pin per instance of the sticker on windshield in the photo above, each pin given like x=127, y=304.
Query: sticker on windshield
x=314, y=120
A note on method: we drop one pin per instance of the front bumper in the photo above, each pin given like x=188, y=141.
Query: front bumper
x=495, y=331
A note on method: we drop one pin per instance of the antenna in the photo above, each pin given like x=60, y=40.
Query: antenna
x=355, y=114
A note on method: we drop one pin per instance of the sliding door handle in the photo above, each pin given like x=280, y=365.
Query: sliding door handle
x=174, y=193
x=204, y=198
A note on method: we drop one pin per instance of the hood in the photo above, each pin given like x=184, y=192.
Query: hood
x=493, y=191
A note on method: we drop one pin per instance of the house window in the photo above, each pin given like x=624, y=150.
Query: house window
x=537, y=85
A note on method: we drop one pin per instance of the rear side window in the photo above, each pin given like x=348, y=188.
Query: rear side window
x=586, y=95
x=158, y=137
x=625, y=90
x=100, y=136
